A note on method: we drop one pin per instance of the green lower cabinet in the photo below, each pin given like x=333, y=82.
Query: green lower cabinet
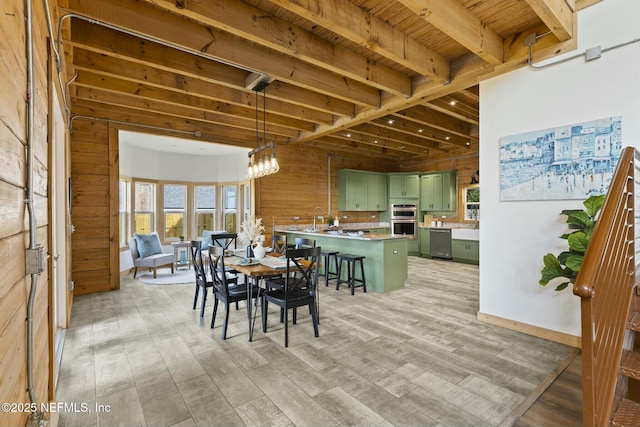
x=425, y=242
x=466, y=251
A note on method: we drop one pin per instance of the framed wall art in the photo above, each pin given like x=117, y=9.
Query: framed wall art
x=566, y=162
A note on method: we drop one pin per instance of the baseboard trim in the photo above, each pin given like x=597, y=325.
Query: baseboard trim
x=536, y=331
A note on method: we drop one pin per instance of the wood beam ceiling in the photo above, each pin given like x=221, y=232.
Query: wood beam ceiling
x=398, y=77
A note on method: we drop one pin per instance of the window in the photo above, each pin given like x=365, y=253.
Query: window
x=230, y=208
x=123, y=215
x=175, y=203
x=144, y=193
x=247, y=202
x=472, y=203
x=205, y=197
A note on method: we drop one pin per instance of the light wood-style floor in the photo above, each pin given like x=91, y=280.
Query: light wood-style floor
x=414, y=357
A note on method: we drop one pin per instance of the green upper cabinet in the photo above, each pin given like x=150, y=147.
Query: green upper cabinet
x=404, y=186
x=377, y=192
x=438, y=192
x=361, y=191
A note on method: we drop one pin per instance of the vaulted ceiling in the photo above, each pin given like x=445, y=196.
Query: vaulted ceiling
x=389, y=80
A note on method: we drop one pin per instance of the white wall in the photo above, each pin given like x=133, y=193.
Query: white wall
x=515, y=235
x=141, y=163
x=158, y=165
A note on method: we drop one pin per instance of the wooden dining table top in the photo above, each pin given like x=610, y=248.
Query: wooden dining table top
x=255, y=270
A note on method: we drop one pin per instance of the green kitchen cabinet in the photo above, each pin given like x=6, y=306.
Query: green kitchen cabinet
x=465, y=251
x=404, y=186
x=361, y=191
x=377, y=199
x=425, y=242
x=431, y=192
x=438, y=192
x=449, y=191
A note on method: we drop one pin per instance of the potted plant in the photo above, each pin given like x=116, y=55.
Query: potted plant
x=181, y=237
x=250, y=230
x=567, y=264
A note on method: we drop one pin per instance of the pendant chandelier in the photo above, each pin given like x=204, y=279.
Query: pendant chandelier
x=262, y=160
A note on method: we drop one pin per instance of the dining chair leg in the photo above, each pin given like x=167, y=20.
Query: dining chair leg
x=204, y=300
x=195, y=299
x=215, y=310
x=314, y=318
x=226, y=320
x=286, y=327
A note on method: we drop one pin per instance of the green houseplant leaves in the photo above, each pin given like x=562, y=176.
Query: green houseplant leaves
x=567, y=264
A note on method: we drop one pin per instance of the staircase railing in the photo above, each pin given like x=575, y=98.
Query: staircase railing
x=606, y=287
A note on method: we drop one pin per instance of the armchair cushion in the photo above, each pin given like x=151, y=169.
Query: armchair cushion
x=148, y=244
x=206, y=240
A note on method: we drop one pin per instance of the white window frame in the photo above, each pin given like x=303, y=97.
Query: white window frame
x=152, y=213
x=173, y=210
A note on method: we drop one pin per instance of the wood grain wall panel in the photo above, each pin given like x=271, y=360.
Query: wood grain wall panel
x=13, y=210
x=91, y=196
x=14, y=216
x=88, y=223
x=12, y=89
x=13, y=159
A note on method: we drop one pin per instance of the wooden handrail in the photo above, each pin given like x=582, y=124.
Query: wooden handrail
x=605, y=285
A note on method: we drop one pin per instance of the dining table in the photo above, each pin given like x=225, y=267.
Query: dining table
x=254, y=271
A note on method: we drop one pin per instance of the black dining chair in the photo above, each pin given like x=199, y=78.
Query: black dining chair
x=300, y=286
x=202, y=282
x=301, y=242
x=225, y=287
x=278, y=244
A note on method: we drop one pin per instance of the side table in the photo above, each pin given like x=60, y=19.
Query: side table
x=181, y=254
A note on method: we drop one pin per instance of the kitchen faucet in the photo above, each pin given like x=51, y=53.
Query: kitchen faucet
x=321, y=216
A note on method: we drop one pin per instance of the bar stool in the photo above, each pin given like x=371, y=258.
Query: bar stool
x=327, y=256
x=351, y=271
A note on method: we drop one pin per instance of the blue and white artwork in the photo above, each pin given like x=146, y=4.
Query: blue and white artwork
x=566, y=162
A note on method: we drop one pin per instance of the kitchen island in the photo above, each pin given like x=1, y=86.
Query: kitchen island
x=385, y=265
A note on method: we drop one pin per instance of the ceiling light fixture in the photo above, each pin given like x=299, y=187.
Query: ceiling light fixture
x=390, y=121
x=259, y=166
x=452, y=103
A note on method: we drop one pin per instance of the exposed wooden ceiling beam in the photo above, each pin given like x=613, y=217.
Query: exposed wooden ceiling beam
x=557, y=15
x=115, y=44
x=178, y=111
x=455, y=20
x=348, y=20
x=196, y=37
x=271, y=32
x=194, y=102
x=137, y=73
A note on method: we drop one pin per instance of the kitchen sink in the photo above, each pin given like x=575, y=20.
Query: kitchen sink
x=465, y=233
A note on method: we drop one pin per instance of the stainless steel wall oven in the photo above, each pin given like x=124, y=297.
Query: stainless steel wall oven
x=404, y=220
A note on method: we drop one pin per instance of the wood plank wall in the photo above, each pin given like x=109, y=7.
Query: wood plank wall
x=14, y=218
x=92, y=173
